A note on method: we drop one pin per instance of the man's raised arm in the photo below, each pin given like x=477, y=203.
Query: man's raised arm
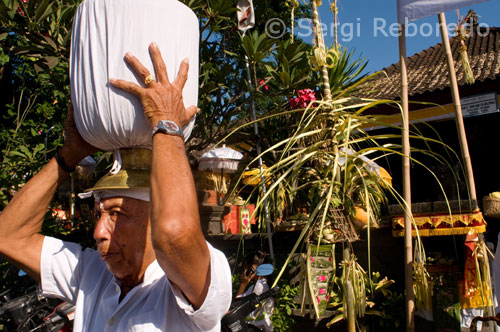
x=21, y=220
x=177, y=238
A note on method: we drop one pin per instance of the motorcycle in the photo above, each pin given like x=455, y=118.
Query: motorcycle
x=32, y=312
x=235, y=319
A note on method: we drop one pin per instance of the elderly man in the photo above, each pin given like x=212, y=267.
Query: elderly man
x=153, y=269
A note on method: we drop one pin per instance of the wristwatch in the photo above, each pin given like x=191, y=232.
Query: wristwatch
x=168, y=127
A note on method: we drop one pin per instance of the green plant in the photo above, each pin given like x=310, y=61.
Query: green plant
x=284, y=304
x=35, y=38
x=371, y=296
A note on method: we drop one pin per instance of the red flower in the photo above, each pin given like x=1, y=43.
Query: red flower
x=19, y=10
x=303, y=99
x=261, y=82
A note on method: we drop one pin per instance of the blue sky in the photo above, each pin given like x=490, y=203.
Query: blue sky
x=366, y=28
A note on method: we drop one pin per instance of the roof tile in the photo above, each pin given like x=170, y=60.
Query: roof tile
x=428, y=70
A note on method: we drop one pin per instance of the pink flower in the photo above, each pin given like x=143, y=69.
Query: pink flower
x=266, y=87
x=322, y=278
x=40, y=131
x=312, y=259
x=19, y=10
x=304, y=97
x=317, y=298
x=322, y=291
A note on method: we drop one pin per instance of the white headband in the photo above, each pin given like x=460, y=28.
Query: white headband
x=139, y=193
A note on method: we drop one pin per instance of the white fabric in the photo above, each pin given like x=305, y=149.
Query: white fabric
x=467, y=315
x=412, y=10
x=117, y=164
x=222, y=153
x=224, y=158
x=137, y=193
x=103, y=31
x=246, y=15
x=142, y=194
x=266, y=310
x=370, y=165
x=80, y=277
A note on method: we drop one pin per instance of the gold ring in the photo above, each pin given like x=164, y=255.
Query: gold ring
x=149, y=79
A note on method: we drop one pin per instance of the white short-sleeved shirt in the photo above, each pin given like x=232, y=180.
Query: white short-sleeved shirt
x=81, y=277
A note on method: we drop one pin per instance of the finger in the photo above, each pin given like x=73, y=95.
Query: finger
x=69, y=120
x=127, y=86
x=158, y=63
x=138, y=67
x=182, y=75
x=69, y=115
x=191, y=111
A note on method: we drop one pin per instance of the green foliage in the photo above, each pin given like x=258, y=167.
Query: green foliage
x=380, y=305
x=346, y=73
x=224, y=89
x=257, y=46
x=393, y=318
x=283, y=305
x=35, y=82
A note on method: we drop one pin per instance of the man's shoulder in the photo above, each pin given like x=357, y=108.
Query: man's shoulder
x=71, y=250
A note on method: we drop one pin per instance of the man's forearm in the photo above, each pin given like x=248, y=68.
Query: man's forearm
x=179, y=243
x=21, y=220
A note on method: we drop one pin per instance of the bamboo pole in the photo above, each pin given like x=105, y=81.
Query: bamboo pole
x=261, y=166
x=321, y=44
x=410, y=298
x=349, y=306
x=335, y=22
x=351, y=313
x=458, y=112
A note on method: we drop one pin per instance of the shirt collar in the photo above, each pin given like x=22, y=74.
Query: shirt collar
x=153, y=273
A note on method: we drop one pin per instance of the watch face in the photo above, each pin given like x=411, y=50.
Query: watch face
x=170, y=126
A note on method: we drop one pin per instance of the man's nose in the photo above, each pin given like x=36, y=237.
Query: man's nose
x=102, y=231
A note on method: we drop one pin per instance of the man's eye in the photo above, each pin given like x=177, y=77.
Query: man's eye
x=96, y=215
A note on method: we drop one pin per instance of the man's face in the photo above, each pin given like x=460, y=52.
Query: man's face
x=122, y=234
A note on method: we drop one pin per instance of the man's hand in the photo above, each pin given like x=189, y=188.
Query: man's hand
x=75, y=148
x=161, y=99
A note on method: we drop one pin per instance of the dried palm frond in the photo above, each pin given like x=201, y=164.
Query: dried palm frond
x=422, y=284
x=464, y=57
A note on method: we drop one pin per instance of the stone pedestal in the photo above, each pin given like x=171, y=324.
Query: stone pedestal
x=211, y=217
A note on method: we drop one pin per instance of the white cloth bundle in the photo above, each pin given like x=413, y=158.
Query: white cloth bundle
x=103, y=31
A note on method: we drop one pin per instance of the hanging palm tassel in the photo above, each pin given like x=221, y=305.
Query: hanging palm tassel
x=477, y=270
x=320, y=53
x=335, y=11
x=354, y=289
x=422, y=286
x=292, y=4
x=464, y=57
